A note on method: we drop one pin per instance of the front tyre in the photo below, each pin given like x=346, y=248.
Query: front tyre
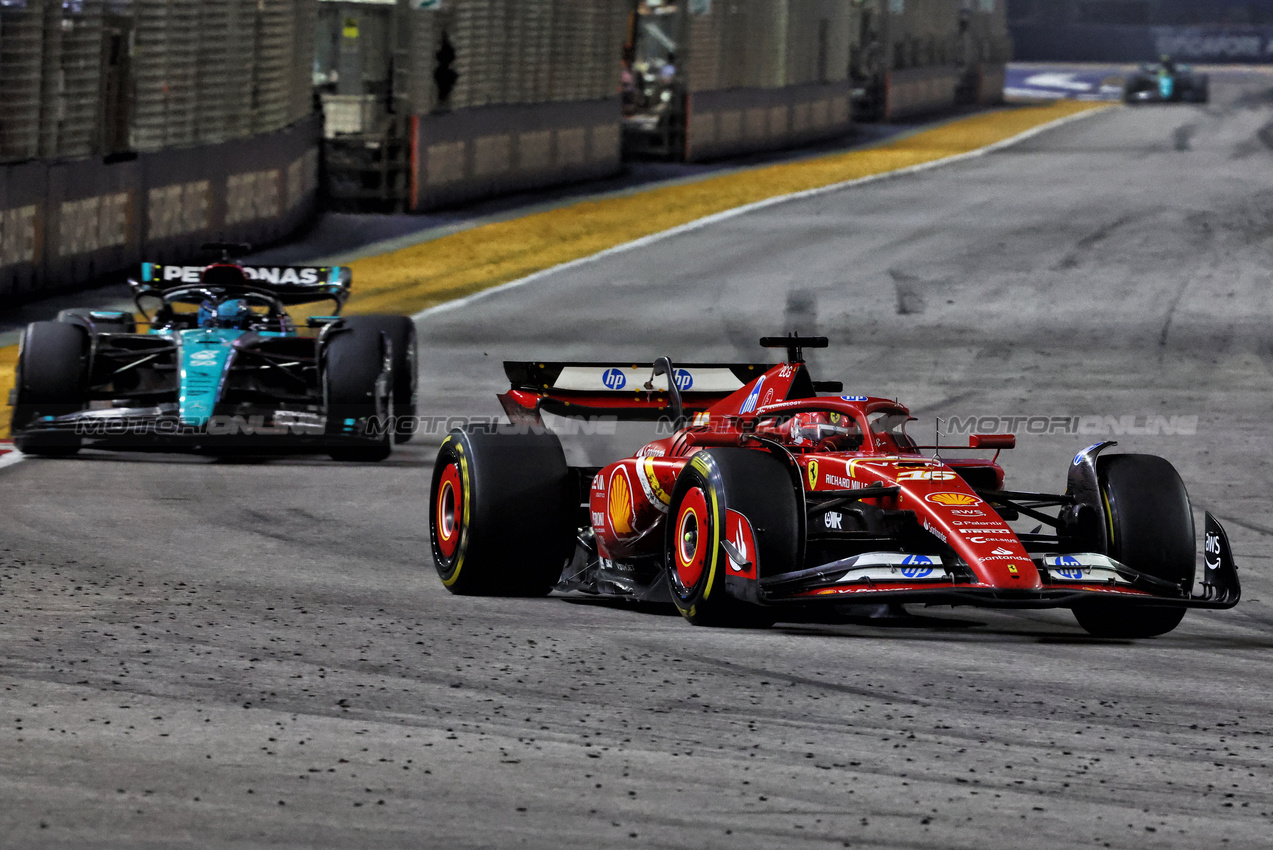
x=1150, y=527
x=502, y=513
x=51, y=380
x=758, y=487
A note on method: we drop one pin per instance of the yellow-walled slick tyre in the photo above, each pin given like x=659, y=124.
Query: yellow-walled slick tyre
x=503, y=513
x=755, y=485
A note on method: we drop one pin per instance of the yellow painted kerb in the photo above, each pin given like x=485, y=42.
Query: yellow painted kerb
x=412, y=279
x=8, y=361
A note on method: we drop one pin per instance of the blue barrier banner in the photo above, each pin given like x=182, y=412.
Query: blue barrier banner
x=1215, y=44
x=1115, y=43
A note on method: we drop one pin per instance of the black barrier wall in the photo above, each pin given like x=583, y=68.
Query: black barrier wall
x=742, y=120
x=64, y=224
x=483, y=151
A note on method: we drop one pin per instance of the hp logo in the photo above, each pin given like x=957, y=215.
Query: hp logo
x=684, y=380
x=614, y=379
x=917, y=566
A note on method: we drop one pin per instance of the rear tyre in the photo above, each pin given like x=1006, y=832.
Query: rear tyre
x=502, y=513
x=1199, y=89
x=52, y=378
x=359, y=390
x=1150, y=527
x=400, y=331
x=755, y=485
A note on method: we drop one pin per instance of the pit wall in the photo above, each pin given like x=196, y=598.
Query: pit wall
x=65, y=224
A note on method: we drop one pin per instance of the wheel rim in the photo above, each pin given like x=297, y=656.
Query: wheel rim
x=689, y=548
x=449, y=511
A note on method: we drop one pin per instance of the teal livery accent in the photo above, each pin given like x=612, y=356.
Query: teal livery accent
x=204, y=355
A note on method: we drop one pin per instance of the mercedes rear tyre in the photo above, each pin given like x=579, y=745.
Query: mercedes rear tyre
x=1150, y=524
x=51, y=381
x=503, y=513
x=358, y=382
x=401, y=333
x=753, y=484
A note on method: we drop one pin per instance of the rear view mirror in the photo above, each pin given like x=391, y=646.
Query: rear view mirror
x=992, y=441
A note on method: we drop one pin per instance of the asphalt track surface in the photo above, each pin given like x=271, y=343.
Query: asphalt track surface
x=259, y=653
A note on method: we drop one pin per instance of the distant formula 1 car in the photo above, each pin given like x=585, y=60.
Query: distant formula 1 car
x=1166, y=82
x=773, y=502
x=220, y=367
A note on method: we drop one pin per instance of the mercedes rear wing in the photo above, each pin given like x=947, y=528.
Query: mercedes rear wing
x=289, y=284
x=628, y=391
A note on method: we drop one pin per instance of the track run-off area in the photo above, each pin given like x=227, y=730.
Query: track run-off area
x=215, y=653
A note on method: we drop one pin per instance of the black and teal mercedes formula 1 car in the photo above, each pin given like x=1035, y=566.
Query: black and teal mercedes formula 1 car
x=1166, y=82
x=214, y=362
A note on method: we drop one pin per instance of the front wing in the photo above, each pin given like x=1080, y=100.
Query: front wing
x=894, y=577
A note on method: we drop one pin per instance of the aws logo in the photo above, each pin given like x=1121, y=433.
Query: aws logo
x=951, y=500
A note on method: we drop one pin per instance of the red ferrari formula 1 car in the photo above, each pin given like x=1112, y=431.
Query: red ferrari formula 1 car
x=779, y=498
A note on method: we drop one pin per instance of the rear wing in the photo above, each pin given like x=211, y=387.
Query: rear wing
x=626, y=391
x=289, y=284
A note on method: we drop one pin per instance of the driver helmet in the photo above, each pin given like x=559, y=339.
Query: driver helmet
x=829, y=431
x=232, y=313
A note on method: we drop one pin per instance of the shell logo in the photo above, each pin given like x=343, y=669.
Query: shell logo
x=619, y=504
x=951, y=500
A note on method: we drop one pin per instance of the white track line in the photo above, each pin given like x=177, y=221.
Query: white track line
x=10, y=458
x=707, y=221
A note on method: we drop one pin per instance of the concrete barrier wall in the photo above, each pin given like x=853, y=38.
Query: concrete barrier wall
x=991, y=78
x=914, y=91
x=65, y=224
x=742, y=120
x=475, y=153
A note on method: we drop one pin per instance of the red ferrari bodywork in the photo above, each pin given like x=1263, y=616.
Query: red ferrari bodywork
x=880, y=520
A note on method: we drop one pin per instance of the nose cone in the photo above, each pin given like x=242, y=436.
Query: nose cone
x=204, y=355
x=956, y=515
